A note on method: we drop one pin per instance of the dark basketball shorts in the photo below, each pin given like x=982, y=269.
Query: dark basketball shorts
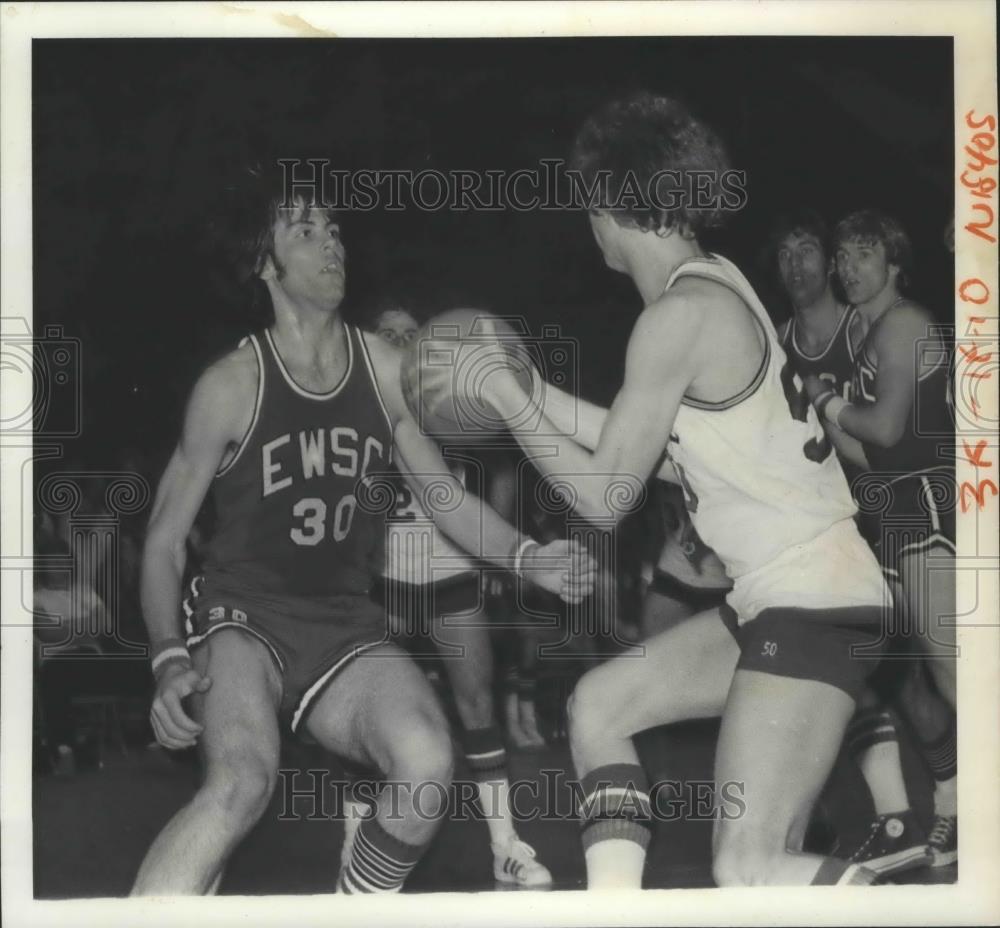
x=414, y=607
x=907, y=515
x=310, y=640
x=841, y=647
x=698, y=597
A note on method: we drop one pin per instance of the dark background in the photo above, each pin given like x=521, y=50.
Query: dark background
x=133, y=139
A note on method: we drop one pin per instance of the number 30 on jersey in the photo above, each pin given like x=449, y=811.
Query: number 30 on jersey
x=313, y=523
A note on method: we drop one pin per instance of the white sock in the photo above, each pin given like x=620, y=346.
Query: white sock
x=494, y=797
x=615, y=863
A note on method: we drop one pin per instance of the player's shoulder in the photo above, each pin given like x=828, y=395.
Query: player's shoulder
x=229, y=383
x=906, y=317
x=680, y=305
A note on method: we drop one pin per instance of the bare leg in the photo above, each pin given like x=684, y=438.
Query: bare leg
x=780, y=737
x=471, y=676
x=380, y=710
x=240, y=747
x=683, y=673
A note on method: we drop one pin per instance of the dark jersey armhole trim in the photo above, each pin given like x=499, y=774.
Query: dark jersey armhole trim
x=375, y=387
x=758, y=378
x=258, y=401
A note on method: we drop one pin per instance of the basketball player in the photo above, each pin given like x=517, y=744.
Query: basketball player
x=820, y=340
x=428, y=578
x=821, y=336
x=288, y=432
x=706, y=384
x=902, y=371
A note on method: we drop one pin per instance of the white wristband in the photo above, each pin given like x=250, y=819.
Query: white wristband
x=519, y=556
x=170, y=654
x=833, y=410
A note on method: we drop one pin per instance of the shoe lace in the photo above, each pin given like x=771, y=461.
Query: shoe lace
x=942, y=829
x=873, y=833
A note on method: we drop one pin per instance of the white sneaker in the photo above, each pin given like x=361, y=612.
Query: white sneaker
x=515, y=863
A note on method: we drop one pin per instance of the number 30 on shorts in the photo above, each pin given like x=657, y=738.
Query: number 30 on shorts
x=312, y=512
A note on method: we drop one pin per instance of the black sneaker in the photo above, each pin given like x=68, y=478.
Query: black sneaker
x=943, y=840
x=895, y=843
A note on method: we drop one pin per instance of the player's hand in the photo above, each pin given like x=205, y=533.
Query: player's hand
x=173, y=727
x=561, y=567
x=814, y=386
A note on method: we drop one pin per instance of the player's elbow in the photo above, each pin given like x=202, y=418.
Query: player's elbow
x=887, y=434
x=611, y=499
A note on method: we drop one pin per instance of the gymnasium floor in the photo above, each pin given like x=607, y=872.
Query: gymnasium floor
x=92, y=828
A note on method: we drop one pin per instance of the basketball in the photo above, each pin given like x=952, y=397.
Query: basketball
x=448, y=366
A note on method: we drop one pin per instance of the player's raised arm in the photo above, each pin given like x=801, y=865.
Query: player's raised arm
x=215, y=418
x=661, y=363
x=476, y=527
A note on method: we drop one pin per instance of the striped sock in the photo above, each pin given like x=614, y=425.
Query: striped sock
x=874, y=744
x=941, y=754
x=485, y=753
x=615, y=804
x=836, y=872
x=379, y=861
x=616, y=820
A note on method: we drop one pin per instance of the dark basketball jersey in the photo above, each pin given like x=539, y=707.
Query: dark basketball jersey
x=930, y=425
x=289, y=522
x=835, y=364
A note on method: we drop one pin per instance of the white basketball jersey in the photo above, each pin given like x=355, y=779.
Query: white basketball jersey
x=416, y=550
x=761, y=480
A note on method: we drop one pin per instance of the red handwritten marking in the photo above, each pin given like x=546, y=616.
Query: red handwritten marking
x=975, y=456
x=974, y=282
x=988, y=121
x=977, y=493
x=979, y=228
x=980, y=143
x=973, y=356
x=983, y=143
x=980, y=187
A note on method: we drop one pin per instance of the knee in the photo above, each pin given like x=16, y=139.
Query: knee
x=240, y=786
x=588, y=711
x=423, y=753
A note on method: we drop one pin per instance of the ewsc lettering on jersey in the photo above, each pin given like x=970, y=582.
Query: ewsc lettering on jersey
x=286, y=463
x=278, y=456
